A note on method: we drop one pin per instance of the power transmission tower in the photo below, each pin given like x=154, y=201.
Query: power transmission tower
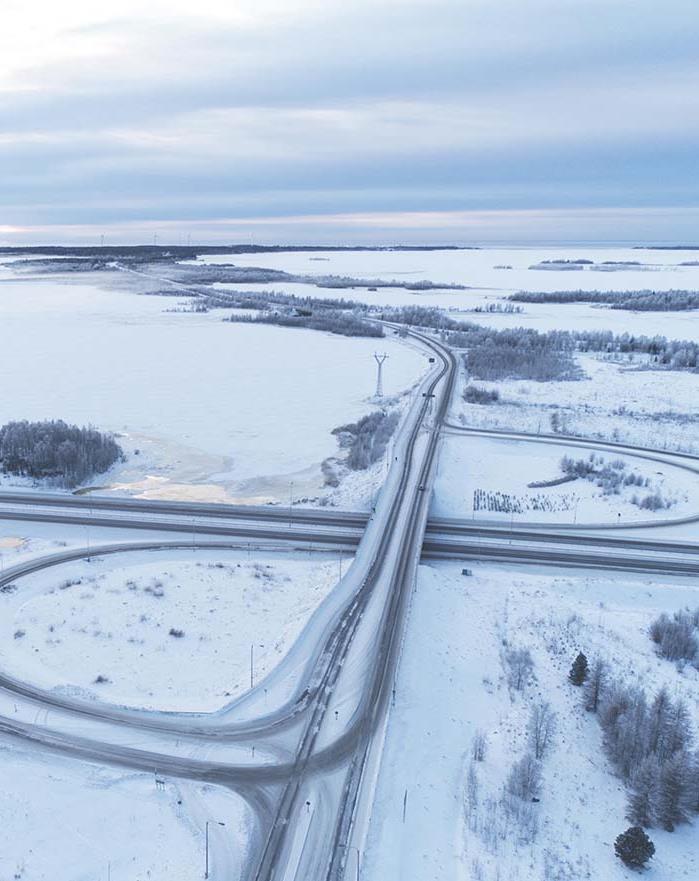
x=379, y=378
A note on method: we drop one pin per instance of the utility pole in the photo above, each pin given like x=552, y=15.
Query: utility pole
x=252, y=663
x=379, y=376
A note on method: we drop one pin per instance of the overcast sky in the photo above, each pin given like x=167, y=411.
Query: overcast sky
x=349, y=120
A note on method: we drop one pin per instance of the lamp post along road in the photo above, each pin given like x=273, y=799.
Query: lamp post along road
x=206, y=866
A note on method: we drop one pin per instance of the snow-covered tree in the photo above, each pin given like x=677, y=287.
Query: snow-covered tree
x=524, y=780
x=643, y=792
x=673, y=792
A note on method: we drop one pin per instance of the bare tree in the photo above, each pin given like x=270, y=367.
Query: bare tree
x=542, y=727
x=673, y=792
x=643, y=794
x=519, y=667
x=594, y=685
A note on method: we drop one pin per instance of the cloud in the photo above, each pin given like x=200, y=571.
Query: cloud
x=113, y=113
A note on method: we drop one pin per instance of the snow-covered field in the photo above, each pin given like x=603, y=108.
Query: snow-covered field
x=245, y=412
x=62, y=819
x=502, y=470
x=463, y=626
x=216, y=410
x=613, y=402
x=169, y=630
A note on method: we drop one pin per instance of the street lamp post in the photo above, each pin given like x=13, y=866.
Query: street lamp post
x=252, y=663
x=206, y=867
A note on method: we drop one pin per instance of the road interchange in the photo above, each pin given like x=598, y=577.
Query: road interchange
x=317, y=762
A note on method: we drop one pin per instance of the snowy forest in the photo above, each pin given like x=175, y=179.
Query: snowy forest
x=54, y=451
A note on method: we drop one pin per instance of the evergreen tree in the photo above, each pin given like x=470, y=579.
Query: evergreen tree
x=578, y=672
x=634, y=847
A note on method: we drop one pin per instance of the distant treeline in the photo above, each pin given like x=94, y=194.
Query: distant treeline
x=191, y=252
x=203, y=274
x=209, y=274
x=64, y=454
x=492, y=354
x=330, y=320
x=640, y=301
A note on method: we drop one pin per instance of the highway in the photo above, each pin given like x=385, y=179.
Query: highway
x=319, y=740
x=321, y=530
x=350, y=666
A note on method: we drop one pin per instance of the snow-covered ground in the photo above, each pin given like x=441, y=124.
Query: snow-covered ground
x=486, y=268
x=217, y=411
x=168, y=630
x=494, y=273
x=62, y=819
x=614, y=401
x=491, y=479
x=452, y=683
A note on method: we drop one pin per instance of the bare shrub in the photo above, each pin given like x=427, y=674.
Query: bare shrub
x=524, y=779
x=676, y=637
x=473, y=394
x=479, y=746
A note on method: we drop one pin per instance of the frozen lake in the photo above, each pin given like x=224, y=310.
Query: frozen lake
x=484, y=272
x=206, y=402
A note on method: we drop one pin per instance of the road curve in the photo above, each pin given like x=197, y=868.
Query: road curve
x=664, y=457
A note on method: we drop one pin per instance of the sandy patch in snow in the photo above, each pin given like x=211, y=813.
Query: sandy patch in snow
x=163, y=630
x=248, y=408
x=11, y=542
x=452, y=682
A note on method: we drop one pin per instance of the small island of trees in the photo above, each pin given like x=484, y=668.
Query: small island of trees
x=61, y=454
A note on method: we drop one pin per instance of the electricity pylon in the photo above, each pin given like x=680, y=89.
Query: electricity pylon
x=379, y=378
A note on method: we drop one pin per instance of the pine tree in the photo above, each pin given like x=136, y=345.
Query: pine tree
x=634, y=847
x=578, y=672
